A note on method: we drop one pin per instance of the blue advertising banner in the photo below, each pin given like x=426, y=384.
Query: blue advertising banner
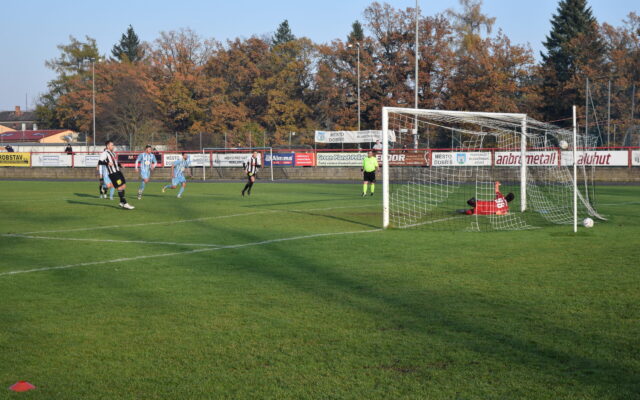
x=279, y=159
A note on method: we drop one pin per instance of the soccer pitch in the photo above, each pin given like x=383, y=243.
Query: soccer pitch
x=295, y=293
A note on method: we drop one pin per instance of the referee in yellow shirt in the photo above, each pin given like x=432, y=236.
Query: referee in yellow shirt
x=369, y=167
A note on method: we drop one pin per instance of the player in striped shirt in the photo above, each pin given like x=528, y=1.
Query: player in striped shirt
x=177, y=174
x=251, y=166
x=148, y=163
x=110, y=161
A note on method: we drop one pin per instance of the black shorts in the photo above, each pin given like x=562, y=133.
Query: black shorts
x=370, y=176
x=117, y=179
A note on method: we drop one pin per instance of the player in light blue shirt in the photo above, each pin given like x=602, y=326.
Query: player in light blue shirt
x=177, y=174
x=148, y=163
x=105, y=182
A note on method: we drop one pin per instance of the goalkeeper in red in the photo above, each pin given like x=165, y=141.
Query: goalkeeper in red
x=498, y=206
x=369, y=167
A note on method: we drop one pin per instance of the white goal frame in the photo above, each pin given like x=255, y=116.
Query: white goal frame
x=523, y=152
x=247, y=150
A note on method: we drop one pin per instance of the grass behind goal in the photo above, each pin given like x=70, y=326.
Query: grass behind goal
x=294, y=293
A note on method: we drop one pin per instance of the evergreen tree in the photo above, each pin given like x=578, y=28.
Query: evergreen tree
x=572, y=20
x=283, y=34
x=128, y=49
x=574, y=48
x=357, y=33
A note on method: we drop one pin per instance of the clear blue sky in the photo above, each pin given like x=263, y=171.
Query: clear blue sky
x=32, y=29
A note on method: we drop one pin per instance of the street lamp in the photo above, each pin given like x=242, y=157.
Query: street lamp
x=93, y=94
x=291, y=133
x=358, y=55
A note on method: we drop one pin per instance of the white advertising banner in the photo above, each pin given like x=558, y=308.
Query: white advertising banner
x=597, y=158
x=86, y=160
x=534, y=158
x=635, y=158
x=339, y=159
x=197, y=159
x=232, y=159
x=50, y=160
x=466, y=159
x=351, y=136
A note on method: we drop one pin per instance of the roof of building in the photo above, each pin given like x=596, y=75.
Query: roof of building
x=30, y=136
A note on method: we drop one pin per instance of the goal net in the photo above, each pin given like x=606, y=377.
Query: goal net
x=456, y=190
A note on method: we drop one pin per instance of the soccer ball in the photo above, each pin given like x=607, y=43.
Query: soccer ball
x=564, y=144
x=587, y=223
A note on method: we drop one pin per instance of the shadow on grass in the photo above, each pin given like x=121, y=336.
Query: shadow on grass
x=451, y=317
x=291, y=203
x=336, y=218
x=86, y=195
x=83, y=203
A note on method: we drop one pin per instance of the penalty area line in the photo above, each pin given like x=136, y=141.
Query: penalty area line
x=233, y=246
x=94, y=228
x=17, y=235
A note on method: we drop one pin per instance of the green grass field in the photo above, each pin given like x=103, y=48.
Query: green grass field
x=296, y=294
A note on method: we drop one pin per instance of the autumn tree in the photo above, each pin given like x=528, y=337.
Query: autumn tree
x=491, y=74
x=178, y=60
x=72, y=66
x=469, y=23
x=284, y=93
x=130, y=112
x=623, y=63
x=241, y=63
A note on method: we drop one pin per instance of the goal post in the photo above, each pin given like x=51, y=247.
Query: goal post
x=233, y=157
x=506, y=172
x=385, y=167
x=523, y=165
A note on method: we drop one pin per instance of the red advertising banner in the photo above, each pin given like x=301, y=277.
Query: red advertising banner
x=305, y=160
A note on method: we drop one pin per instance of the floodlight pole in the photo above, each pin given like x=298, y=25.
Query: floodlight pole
x=417, y=51
x=358, y=52
x=93, y=91
x=523, y=165
x=609, y=115
x=358, y=77
x=575, y=173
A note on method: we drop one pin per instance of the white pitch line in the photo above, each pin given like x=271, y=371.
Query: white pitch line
x=618, y=204
x=234, y=246
x=432, y=222
x=17, y=235
x=149, y=223
x=190, y=220
x=40, y=200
